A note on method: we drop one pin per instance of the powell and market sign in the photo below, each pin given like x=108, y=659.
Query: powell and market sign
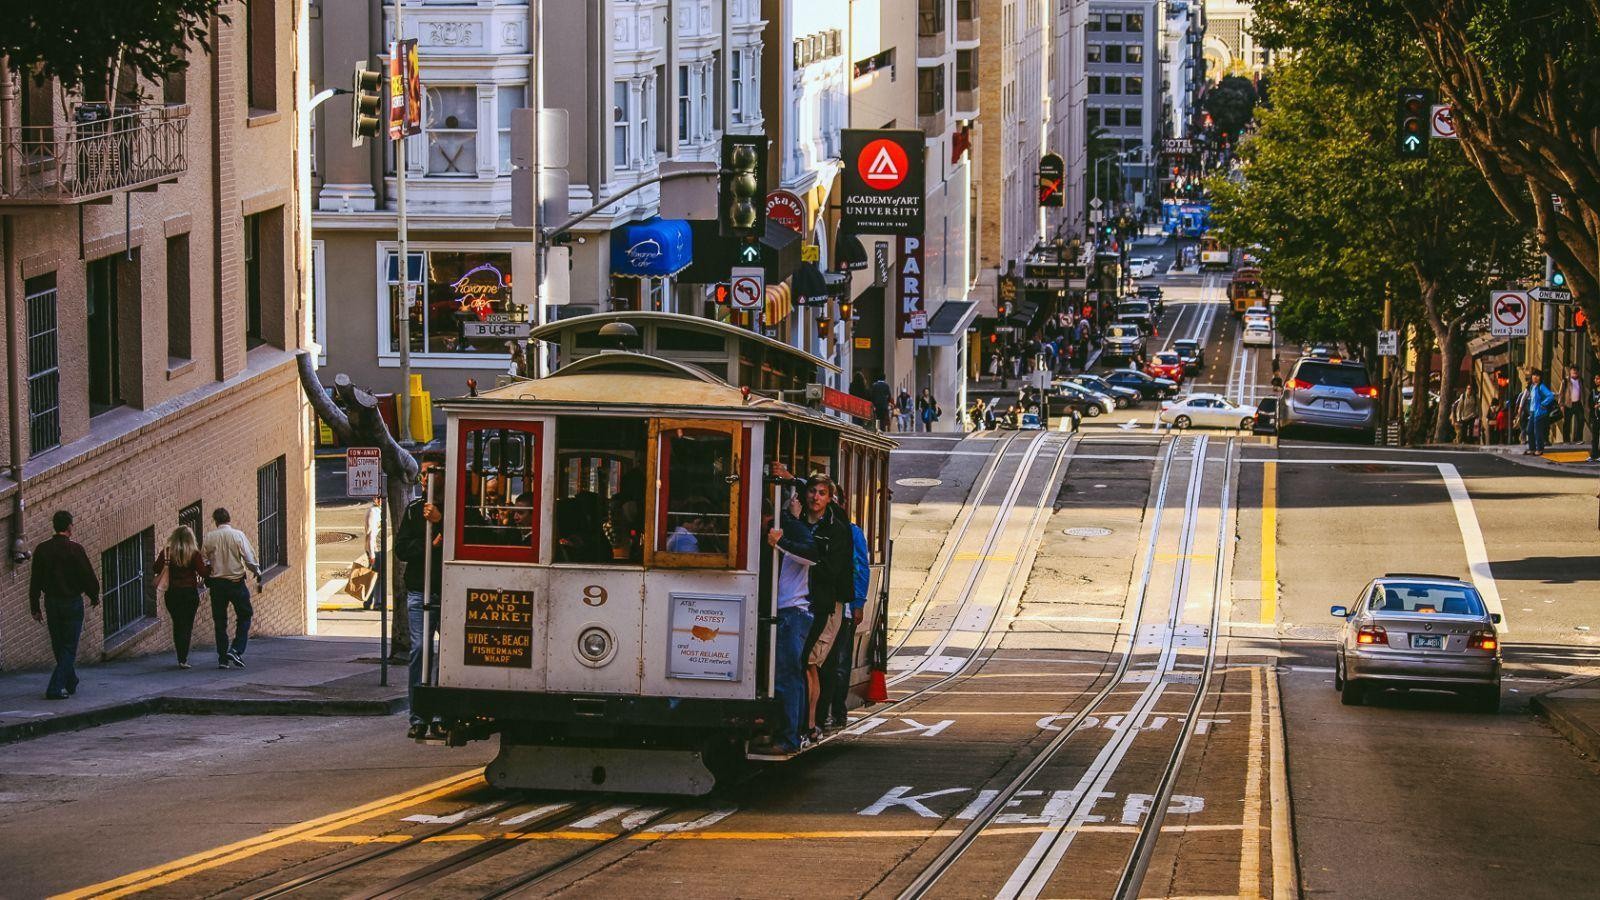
x=883, y=181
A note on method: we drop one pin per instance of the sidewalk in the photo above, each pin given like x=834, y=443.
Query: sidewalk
x=288, y=676
x=1575, y=713
x=1573, y=457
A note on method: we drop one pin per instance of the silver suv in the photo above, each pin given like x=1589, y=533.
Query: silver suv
x=1328, y=394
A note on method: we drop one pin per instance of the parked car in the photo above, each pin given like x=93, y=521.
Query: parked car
x=1101, y=403
x=1266, y=417
x=1141, y=267
x=1062, y=403
x=1257, y=334
x=1149, y=388
x=1423, y=631
x=1166, y=364
x=1122, y=342
x=1192, y=353
x=1212, y=410
x=1325, y=393
x=1122, y=396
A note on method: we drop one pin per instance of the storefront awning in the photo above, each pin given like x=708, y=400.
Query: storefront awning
x=778, y=305
x=780, y=251
x=1022, y=314
x=851, y=253
x=809, y=285
x=949, y=322
x=655, y=248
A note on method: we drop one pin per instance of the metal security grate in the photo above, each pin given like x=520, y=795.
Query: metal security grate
x=44, y=378
x=123, y=582
x=271, y=523
x=190, y=516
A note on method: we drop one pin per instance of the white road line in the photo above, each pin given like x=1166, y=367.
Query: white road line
x=1472, y=542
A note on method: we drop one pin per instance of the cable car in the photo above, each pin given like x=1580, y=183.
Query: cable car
x=1214, y=254
x=607, y=598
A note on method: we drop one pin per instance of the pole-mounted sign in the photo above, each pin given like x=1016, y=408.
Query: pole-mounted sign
x=884, y=181
x=1052, y=180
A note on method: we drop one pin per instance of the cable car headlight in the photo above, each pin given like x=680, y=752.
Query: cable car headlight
x=596, y=646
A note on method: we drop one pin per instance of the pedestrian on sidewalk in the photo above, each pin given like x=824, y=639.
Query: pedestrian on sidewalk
x=373, y=538
x=1594, y=419
x=411, y=546
x=928, y=411
x=185, y=570
x=881, y=398
x=902, y=408
x=62, y=576
x=227, y=552
x=1571, y=396
x=1537, y=403
x=1464, y=414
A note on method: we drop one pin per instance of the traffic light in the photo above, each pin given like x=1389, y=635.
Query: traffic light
x=844, y=310
x=1580, y=319
x=741, y=204
x=722, y=293
x=1411, y=123
x=824, y=328
x=364, y=105
x=1558, y=278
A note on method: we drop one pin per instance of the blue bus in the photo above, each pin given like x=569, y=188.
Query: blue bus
x=1183, y=219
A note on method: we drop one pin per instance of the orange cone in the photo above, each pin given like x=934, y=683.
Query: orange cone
x=878, y=689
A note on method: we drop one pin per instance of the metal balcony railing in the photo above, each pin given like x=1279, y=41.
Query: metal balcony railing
x=98, y=153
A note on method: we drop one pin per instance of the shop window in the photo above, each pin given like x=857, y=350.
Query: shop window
x=457, y=289
x=600, y=481
x=696, y=471
x=497, y=491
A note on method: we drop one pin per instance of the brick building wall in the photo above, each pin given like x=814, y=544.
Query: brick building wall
x=198, y=417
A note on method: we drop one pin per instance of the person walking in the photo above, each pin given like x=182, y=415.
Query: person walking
x=881, y=398
x=902, y=406
x=61, y=576
x=228, y=553
x=1464, y=414
x=411, y=546
x=1538, y=402
x=1594, y=419
x=185, y=570
x=373, y=538
x=928, y=411
x=1571, y=397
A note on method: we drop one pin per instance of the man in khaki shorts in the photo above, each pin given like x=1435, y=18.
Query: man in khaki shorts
x=832, y=580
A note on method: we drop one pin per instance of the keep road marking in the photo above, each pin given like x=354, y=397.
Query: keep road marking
x=1269, y=543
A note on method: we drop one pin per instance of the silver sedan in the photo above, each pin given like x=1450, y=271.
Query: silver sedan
x=1423, y=631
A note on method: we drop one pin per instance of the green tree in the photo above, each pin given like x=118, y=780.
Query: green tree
x=1342, y=220
x=89, y=42
x=1522, y=78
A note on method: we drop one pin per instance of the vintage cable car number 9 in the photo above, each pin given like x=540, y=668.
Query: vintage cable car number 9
x=594, y=595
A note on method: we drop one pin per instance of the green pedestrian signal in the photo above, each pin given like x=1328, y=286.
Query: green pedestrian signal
x=1411, y=123
x=741, y=198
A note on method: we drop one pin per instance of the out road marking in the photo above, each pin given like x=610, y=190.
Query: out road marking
x=166, y=873
x=1269, y=543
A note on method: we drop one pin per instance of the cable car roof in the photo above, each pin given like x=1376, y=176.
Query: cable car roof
x=552, y=331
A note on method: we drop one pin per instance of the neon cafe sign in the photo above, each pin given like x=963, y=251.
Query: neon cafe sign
x=481, y=290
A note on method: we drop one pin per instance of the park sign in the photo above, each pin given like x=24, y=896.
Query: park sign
x=883, y=181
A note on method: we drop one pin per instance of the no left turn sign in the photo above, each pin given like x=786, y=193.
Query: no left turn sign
x=1508, y=313
x=748, y=287
x=1443, y=122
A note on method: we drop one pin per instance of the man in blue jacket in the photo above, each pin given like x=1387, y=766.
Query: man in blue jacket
x=1537, y=403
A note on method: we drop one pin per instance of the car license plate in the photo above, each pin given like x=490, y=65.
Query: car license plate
x=1427, y=641
x=1331, y=404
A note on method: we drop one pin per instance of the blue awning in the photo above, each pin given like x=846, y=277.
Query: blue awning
x=651, y=249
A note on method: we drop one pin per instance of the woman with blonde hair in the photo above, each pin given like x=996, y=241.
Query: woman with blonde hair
x=181, y=569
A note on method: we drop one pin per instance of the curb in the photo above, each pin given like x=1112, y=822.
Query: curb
x=1562, y=716
x=200, y=706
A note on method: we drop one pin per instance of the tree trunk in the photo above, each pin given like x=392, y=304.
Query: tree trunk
x=1417, y=427
x=1450, y=353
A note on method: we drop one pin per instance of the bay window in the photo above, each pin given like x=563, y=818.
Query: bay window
x=450, y=123
x=685, y=106
x=620, y=125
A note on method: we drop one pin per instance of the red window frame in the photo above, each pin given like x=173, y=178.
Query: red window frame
x=497, y=552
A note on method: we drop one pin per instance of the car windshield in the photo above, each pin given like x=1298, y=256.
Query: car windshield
x=1332, y=375
x=1167, y=359
x=1185, y=346
x=1449, y=599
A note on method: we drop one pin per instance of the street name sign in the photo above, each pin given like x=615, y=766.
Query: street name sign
x=1508, y=313
x=748, y=286
x=510, y=331
x=363, y=472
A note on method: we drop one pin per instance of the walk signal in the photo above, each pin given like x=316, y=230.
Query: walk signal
x=1411, y=123
x=741, y=204
x=364, y=105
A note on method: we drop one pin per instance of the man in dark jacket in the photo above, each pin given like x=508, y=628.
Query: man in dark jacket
x=61, y=576
x=411, y=546
x=881, y=397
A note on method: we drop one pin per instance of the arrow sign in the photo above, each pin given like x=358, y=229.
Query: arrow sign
x=1551, y=294
x=1129, y=425
x=1412, y=142
x=750, y=253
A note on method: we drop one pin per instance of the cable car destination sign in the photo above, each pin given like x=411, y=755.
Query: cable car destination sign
x=883, y=181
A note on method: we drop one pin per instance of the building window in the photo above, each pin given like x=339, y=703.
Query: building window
x=1093, y=114
x=252, y=281
x=930, y=18
x=44, y=376
x=1113, y=117
x=105, y=377
x=1133, y=117
x=319, y=300
x=451, y=126
x=736, y=86
x=661, y=103
x=685, y=106
x=1113, y=53
x=620, y=125
x=704, y=73
x=272, y=524
x=647, y=123
x=1091, y=52
x=966, y=70
x=178, y=318
x=1113, y=85
x=1094, y=84
x=1133, y=85
x=122, y=582
x=454, y=291
x=754, y=94
x=966, y=10
x=715, y=87
x=508, y=98
x=189, y=517
x=1094, y=22
x=930, y=90
x=1113, y=21
x=1134, y=53
x=175, y=86
x=261, y=55
x=1134, y=22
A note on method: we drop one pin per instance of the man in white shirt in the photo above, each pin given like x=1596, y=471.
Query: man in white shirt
x=374, y=542
x=228, y=552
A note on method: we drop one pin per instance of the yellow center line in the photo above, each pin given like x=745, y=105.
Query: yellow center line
x=166, y=873
x=1250, y=838
x=1269, y=543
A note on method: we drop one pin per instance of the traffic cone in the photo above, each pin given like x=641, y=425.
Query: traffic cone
x=878, y=689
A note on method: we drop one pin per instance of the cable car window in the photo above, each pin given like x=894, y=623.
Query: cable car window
x=697, y=469
x=684, y=339
x=600, y=479
x=497, y=508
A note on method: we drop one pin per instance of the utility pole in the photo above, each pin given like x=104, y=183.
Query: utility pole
x=1387, y=326
x=534, y=366
x=400, y=225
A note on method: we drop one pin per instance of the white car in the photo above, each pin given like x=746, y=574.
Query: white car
x=1257, y=334
x=1141, y=267
x=1207, y=409
x=1258, y=314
